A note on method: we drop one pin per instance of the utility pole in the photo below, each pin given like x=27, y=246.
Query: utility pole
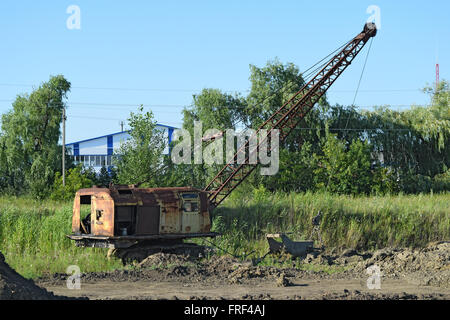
x=64, y=146
x=437, y=67
x=437, y=76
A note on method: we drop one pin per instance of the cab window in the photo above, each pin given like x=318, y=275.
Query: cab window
x=190, y=202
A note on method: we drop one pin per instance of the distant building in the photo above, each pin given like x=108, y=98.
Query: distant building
x=97, y=152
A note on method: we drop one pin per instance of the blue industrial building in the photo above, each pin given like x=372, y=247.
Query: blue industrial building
x=97, y=152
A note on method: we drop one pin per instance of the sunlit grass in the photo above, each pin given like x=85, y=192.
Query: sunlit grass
x=363, y=222
x=33, y=233
x=33, y=239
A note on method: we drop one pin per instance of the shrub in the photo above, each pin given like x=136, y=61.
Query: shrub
x=344, y=171
x=441, y=182
x=75, y=180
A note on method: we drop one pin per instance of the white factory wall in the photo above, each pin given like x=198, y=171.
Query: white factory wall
x=94, y=152
x=166, y=135
x=118, y=139
x=96, y=146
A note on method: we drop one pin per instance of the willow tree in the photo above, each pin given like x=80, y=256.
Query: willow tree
x=414, y=141
x=216, y=112
x=29, y=151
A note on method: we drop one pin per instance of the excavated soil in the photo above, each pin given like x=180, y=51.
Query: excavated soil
x=405, y=274
x=15, y=287
x=426, y=266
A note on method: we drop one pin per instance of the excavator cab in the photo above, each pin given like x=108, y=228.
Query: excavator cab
x=122, y=215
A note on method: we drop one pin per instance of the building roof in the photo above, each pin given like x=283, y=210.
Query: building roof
x=115, y=133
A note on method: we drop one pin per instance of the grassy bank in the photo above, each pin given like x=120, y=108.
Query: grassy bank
x=347, y=222
x=33, y=234
x=33, y=239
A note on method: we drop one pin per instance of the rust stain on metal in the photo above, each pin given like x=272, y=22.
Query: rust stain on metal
x=182, y=210
x=102, y=215
x=76, y=215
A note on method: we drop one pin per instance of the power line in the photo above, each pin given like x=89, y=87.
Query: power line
x=360, y=78
x=354, y=129
x=309, y=128
x=111, y=119
x=121, y=89
x=362, y=72
x=196, y=90
x=308, y=73
x=92, y=117
x=187, y=106
x=116, y=108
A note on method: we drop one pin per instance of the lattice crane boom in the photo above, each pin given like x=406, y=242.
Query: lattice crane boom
x=287, y=117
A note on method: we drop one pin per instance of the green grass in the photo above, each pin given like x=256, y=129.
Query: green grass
x=364, y=222
x=33, y=233
x=33, y=239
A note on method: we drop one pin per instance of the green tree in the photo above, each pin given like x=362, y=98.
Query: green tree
x=91, y=174
x=29, y=152
x=75, y=180
x=214, y=110
x=104, y=177
x=296, y=171
x=271, y=87
x=414, y=142
x=139, y=160
x=344, y=171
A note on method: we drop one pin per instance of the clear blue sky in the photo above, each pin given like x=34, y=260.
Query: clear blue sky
x=159, y=53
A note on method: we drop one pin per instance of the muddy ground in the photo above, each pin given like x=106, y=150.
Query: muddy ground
x=405, y=274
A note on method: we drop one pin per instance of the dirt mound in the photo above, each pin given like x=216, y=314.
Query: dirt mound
x=403, y=273
x=162, y=260
x=221, y=265
x=435, y=257
x=246, y=272
x=424, y=266
x=439, y=278
x=15, y=287
x=225, y=277
x=163, y=266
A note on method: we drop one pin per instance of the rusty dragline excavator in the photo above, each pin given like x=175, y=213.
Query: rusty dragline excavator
x=136, y=222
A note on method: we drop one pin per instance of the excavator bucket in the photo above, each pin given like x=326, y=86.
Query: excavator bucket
x=295, y=248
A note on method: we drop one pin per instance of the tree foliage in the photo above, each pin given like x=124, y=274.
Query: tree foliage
x=378, y=151
x=29, y=150
x=76, y=179
x=214, y=109
x=138, y=159
x=344, y=171
x=336, y=148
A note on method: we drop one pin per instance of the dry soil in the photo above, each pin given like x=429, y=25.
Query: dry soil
x=405, y=274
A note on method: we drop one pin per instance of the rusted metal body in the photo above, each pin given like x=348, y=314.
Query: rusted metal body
x=121, y=215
